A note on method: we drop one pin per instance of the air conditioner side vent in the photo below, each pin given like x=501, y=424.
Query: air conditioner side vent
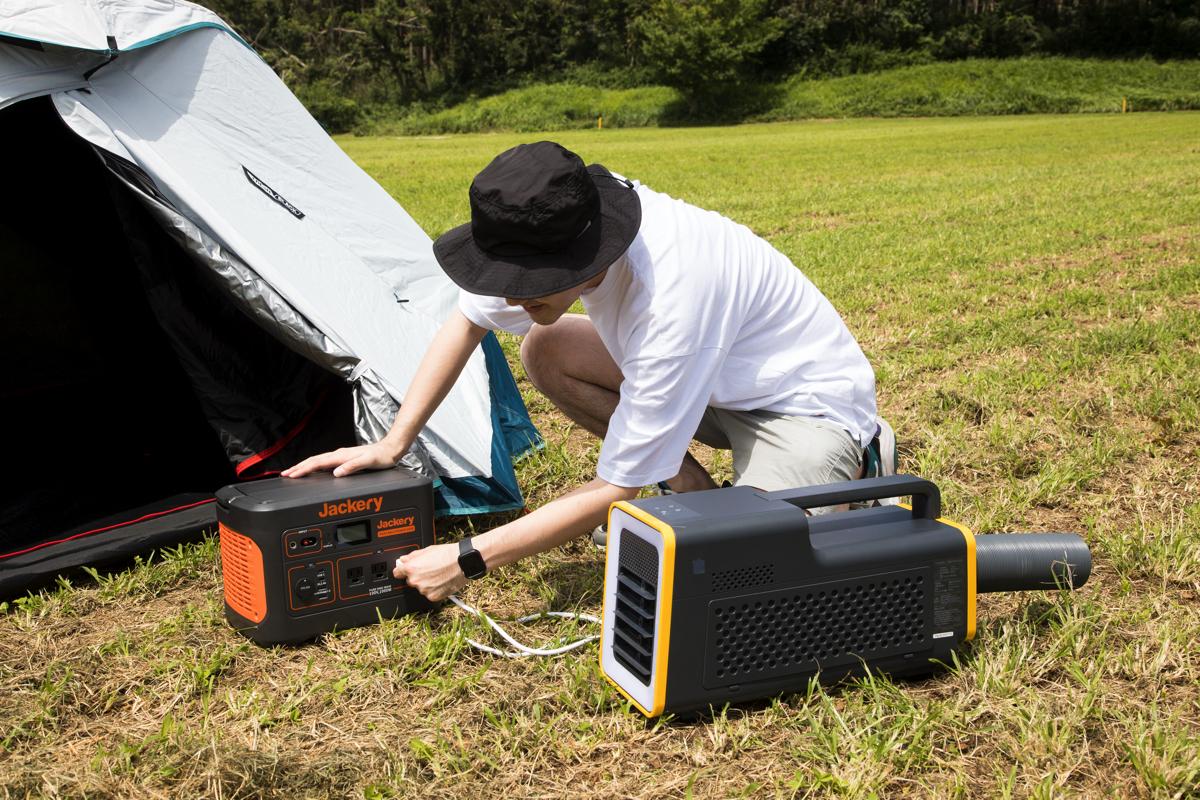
x=636, y=605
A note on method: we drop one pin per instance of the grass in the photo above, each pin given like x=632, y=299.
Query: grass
x=956, y=88
x=1028, y=289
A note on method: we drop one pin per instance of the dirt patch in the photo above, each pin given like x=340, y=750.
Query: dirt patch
x=806, y=222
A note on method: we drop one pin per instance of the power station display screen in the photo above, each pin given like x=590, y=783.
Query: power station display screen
x=354, y=533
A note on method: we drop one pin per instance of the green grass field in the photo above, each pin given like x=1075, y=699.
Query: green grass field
x=1028, y=289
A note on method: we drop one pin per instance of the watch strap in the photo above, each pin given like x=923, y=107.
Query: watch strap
x=470, y=560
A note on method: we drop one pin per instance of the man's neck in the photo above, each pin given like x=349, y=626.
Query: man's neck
x=599, y=279
x=596, y=281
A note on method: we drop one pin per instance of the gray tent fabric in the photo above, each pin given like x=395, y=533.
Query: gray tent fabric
x=231, y=149
x=196, y=131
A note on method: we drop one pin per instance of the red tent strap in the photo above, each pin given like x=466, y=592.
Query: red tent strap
x=263, y=455
x=107, y=528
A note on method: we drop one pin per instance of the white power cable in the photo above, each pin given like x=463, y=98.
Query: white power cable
x=522, y=650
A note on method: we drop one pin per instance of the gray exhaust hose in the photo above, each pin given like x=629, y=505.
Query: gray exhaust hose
x=1010, y=562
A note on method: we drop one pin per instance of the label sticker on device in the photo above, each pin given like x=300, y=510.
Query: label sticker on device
x=943, y=634
x=403, y=522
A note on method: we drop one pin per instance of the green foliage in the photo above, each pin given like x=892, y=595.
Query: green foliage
x=993, y=35
x=336, y=112
x=706, y=48
x=854, y=59
x=399, y=52
x=430, y=54
x=979, y=86
x=549, y=107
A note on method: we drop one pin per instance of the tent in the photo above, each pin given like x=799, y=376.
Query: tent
x=197, y=286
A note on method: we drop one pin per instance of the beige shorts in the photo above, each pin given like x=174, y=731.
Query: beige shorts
x=774, y=451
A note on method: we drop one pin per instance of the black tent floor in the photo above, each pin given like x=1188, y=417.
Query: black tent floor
x=110, y=542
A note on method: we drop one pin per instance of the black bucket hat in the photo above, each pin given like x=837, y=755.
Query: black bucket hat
x=540, y=222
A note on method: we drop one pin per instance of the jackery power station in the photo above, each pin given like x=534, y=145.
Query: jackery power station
x=302, y=556
x=733, y=594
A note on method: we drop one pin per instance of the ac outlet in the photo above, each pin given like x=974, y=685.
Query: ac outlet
x=369, y=574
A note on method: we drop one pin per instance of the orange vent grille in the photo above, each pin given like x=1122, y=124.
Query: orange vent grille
x=242, y=568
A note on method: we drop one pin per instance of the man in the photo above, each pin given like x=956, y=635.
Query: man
x=696, y=328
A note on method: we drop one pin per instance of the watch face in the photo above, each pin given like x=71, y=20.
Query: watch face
x=471, y=563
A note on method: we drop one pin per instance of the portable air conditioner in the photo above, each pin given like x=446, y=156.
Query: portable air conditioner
x=732, y=594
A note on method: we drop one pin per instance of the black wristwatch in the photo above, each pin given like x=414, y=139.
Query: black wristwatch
x=470, y=560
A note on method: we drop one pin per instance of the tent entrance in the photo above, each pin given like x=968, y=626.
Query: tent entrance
x=131, y=385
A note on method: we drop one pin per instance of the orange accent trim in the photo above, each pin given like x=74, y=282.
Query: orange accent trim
x=666, y=599
x=972, y=576
x=406, y=523
x=373, y=505
x=242, y=571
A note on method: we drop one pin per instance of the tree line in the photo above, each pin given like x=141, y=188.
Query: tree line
x=344, y=55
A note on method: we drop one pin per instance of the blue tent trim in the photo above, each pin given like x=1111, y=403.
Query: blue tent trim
x=162, y=37
x=513, y=435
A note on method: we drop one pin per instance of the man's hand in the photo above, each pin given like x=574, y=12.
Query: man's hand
x=347, y=460
x=439, y=369
x=433, y=571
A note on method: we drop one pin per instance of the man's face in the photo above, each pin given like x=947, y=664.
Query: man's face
x=546, y=310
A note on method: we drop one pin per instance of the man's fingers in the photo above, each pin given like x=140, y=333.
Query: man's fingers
x=350, y=467
x=296, y=470
x=398, y=571
x=303, y=468
x=314, y=463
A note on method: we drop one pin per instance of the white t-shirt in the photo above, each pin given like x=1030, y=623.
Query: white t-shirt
x=703, y=312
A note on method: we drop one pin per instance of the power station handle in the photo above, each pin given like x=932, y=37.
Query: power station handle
x=927, y=500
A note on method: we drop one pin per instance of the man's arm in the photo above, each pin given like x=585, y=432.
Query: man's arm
x=434, y=571
x=439, y=369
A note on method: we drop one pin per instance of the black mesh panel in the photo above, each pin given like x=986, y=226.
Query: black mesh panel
x=763, y=635
x=731, y=580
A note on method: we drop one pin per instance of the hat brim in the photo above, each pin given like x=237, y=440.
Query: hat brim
x=540, y=274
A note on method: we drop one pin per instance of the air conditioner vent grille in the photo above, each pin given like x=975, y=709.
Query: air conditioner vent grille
x=639, y=557
x=635, y=605
x=759, y=636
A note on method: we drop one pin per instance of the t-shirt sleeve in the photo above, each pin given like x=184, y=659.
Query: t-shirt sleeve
x=661, y=403
x=493, y=313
